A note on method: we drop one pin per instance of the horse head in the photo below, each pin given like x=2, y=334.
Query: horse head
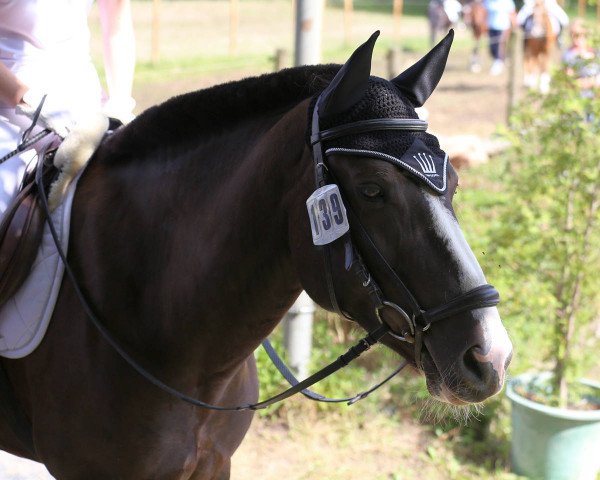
x=404, y=262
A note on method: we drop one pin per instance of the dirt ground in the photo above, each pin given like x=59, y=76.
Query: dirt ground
x=335, y=448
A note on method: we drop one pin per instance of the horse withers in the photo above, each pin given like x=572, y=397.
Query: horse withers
x=190, y=239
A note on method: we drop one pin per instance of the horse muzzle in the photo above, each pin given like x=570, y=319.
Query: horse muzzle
x=478, y=372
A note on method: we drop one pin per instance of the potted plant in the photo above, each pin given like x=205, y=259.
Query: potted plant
x=547, y=267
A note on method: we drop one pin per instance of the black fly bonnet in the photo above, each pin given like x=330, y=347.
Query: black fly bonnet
x=416, y=151
x=360, y=115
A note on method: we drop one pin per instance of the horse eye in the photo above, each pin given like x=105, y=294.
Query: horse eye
x=371, y=190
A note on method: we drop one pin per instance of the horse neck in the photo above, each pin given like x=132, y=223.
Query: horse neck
x=187, y=251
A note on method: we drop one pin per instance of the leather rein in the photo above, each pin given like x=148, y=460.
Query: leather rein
x=419, y=321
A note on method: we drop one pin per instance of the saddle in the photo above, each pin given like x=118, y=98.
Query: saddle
x=21, y=232
x=22, y=228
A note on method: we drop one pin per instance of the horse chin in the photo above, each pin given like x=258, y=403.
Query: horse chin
x=437, y=387
x=440, y=391
x=448, y=397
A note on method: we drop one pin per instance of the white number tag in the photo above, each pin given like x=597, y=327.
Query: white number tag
x=328, y=220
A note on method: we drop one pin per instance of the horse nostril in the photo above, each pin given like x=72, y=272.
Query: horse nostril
x=486, y=369
x=470, y=363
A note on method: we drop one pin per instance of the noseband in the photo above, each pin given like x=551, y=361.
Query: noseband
x=418, y=320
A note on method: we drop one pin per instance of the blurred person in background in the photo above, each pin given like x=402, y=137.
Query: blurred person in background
x=501, y=17
x=580, y=60
x=557, y=16
x=45, y=51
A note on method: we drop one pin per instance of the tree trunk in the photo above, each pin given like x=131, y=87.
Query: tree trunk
x=569, y=304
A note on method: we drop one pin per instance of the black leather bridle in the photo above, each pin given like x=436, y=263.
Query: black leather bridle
x=418, y=320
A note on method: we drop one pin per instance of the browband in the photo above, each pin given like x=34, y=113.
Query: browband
x=409, y=124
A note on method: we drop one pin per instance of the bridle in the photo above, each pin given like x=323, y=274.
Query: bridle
x=418, y=320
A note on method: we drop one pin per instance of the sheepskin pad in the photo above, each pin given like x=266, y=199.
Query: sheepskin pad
x=25, y=317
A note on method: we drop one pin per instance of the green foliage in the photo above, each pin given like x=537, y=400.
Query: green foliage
x=546, y=242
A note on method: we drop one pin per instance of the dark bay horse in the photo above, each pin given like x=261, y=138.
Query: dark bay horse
x=190, y=239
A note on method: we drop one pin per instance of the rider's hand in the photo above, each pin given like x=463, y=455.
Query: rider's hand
x=53, y=115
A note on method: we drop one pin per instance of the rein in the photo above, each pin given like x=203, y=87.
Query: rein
x=27, y=141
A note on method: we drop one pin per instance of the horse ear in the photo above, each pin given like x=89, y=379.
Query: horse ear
x=419, y=81
x=350, y=83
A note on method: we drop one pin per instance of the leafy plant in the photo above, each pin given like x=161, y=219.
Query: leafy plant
x=547, y=238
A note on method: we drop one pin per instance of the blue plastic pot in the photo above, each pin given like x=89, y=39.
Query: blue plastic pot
x=553, y=443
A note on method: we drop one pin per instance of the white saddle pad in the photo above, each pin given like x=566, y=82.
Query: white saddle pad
x=25, y=317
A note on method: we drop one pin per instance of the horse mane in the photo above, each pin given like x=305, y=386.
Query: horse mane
x=212, y=110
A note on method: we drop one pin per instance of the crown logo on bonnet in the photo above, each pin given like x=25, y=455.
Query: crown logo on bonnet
x=426, y=164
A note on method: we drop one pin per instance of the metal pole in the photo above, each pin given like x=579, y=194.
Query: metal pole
x=297, y=334
x=297, y=323
x=309, y=20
